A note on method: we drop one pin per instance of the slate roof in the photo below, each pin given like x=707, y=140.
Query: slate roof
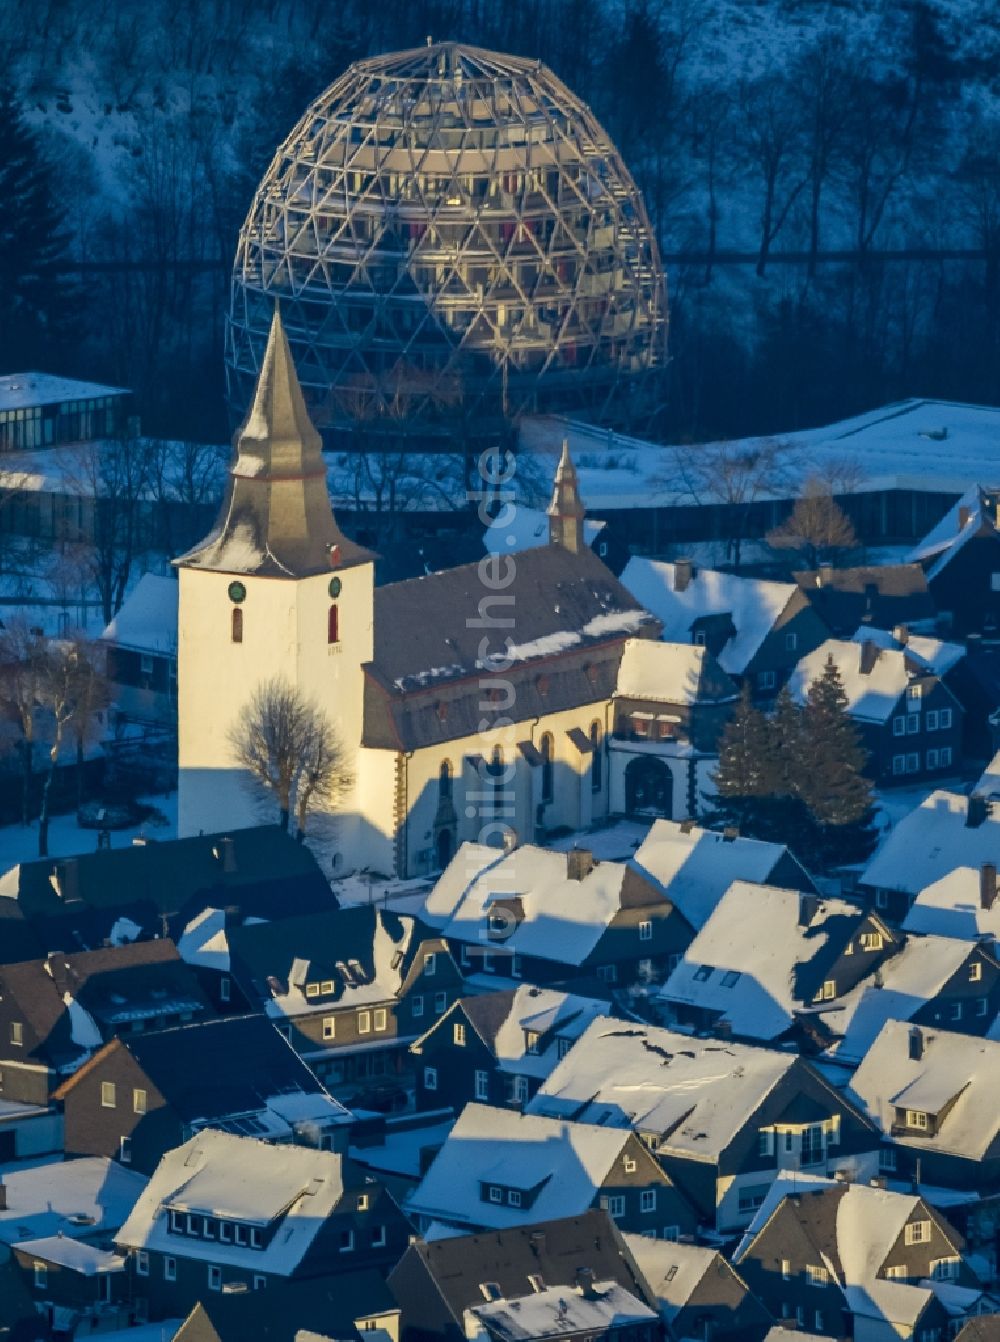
x=674, y=1270
x=930, y=842
x=880, y=595
x=290, y=1311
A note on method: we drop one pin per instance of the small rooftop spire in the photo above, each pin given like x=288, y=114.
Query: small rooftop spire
x=276, y=518
x=566, y=511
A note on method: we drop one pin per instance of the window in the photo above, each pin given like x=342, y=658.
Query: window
x=647, y=1200
x=225, y=1232
x=944, y=1269
x=346, y=1241
x=630, y=1165
x=482, y=1085
x=916, y=1118
x=41, y=1276
x=818, y=1320
x=913, y=764
x=362, y=1203
x=897, y=1273
x=752, y=1197
x=899, y=764
x=378, y=1237
x=548, y=778
x=944, y=757
x=887, y=1158
x=256, y=1238
x=169, y=1268
x=766, y=680
x=699, y=638
x=364, y=1022
x=458, y=1034
x=440, y=1003
x=513, y=1197
x=380, y=1019
x=640, y=724
x=914, y=692
x=786, y=1269
x=644, y=969
x=312, y=989
x=607, y=973
x=765, y=1142
x=237, y=625
x=871, y=941
x=430, y=1078
x=932, y=759
x=912, y=724
x=730, y=978
x=944, y=718
x=596, y=764
x=329, y=1027
x=917, y=1232
x=646, y=930
x=703, y=974
x=791, y=642
x=16, y=1033
x=827, y=992
x=107, y=1094
x=931, y=720
x=563, y=1046
x=332, y=626
x=145, y=664
x=982, y=1006
x=531, y=1041
x=956, y=1010
x=899, y=726
x=259, y=1281
x=225, y=988
x=142, y=1263
x=816, y=1276
x=138, y=1101
x=614, y=1205
x=125, y=1150
x=417, y=1005
x=430, y=963
x=326, y=987
x=496, y=1193
x=975, y=971
x=520, y=1092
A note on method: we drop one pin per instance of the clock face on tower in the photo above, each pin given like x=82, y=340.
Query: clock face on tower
x=335, y=587
x=237, y=592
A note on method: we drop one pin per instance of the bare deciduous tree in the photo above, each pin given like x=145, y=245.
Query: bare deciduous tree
x=817, y=528
x=290, y=749
x=68, y=683
x=21, y=656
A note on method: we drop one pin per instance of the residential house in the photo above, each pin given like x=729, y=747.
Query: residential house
x=86, y=1200
x=577, y=1313
x=962, y=904
x=961, y=558
x=764, y=988
x=947, y=830
x=437, y=1281
x=154, y=888
x=695, y=867
x=935, y=1096
x=75, y=1283
x=350, y=989
x=932, y=981
x=877, y=596
x=138, y=1098
x=757, y=630
x=553, y=917
x=55, y=1012
x=699, y=1294
x=497, y=1048
x=909, y=721
x=498, y=1169
x=141, y=653
x=228, y=1214
x=669, y=708
x=852, y=1260
x=723, y=1119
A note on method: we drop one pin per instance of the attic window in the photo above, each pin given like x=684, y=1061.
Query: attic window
x=326, y=986
x=917, y=1232
x=312, y=989
x=531, y=1041
x=916, y=1118
x=699, y=638
x=730, y=978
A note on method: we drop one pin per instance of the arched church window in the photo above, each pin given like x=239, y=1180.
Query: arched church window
x=237, y=625
x=596, y=771
x=548, y=779
x=333, y=626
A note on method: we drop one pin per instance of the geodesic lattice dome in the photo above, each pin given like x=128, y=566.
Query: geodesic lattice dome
x=454, y=241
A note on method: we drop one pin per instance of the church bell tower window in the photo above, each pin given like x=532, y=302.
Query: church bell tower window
x=237, y=625
x=333, y=625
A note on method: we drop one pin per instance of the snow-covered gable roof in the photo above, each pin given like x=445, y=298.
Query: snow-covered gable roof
x=952, y=907
x=973, y=515
x=549, y=1014
x=695, y=867
x=753, y=603
x=759, y=982
x=147, y=621
x=563, y=919
x=901, y=986
x=953, y=1069
x=989, y=780
x=931, y=841
x=673, y=1270
x=80, y=1198
x=937, y=656
x=872, y=696
x=240, y=1179
x=671, y=673
x=566, y=1162
x=692, y=1096
x=527, y=529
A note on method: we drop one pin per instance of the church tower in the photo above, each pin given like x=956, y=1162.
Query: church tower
x=566, y=511
x=275, y=589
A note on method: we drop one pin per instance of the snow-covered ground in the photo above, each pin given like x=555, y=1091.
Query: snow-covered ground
x=19, y=843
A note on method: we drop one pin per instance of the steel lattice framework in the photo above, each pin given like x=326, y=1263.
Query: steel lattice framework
x=454, y=240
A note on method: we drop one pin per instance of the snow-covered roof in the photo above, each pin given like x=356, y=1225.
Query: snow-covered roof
x=952, y=907
x=753, y=603
x=519, y=527
x=757, y=982
x=147, y=621
x=670, y=673
x=901, y=986
x=695, y=867
x=872, y=696
x=975, y=513
x=931, y=841
x=543, y=1012
x=403, y=1149
x=989, y=780
x=85, y=1198
x=238, y=1178
x=562, y=920
x=933, y=653
x=559, y=1311
x=673, y=1270
x=566, y=1162
x=19, y=391
x=693, y=1096
x=77, y=1255
x=950, y=1065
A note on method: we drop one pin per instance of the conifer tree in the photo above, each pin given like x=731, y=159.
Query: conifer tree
x=745, y=776
x=40, y=303
x=832, y=784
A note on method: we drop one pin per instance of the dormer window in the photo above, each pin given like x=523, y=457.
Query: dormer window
x=699, y=638
x=917, y=1118
x=312, y=989
x=490, y=1290
x=429, y=963
x=496, y=1193
x=531, y=1041
x=326, y=987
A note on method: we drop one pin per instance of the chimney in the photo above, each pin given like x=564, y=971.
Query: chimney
x=730, y=834
x=824, y=575
x=225, y=854
x=579, y=863
x=987, y=886
x=916, y=1045
x=901, y=633
x=869, y=656
x=683, y=573
x=808, y=906
x=964, y=517
x=976, y=811
x=585, y=1282
x=3, y=1196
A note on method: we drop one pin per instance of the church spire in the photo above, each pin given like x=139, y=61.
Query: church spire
x=566, y=511
x=276, y=518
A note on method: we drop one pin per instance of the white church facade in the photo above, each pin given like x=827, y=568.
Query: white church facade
x=443, y=746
